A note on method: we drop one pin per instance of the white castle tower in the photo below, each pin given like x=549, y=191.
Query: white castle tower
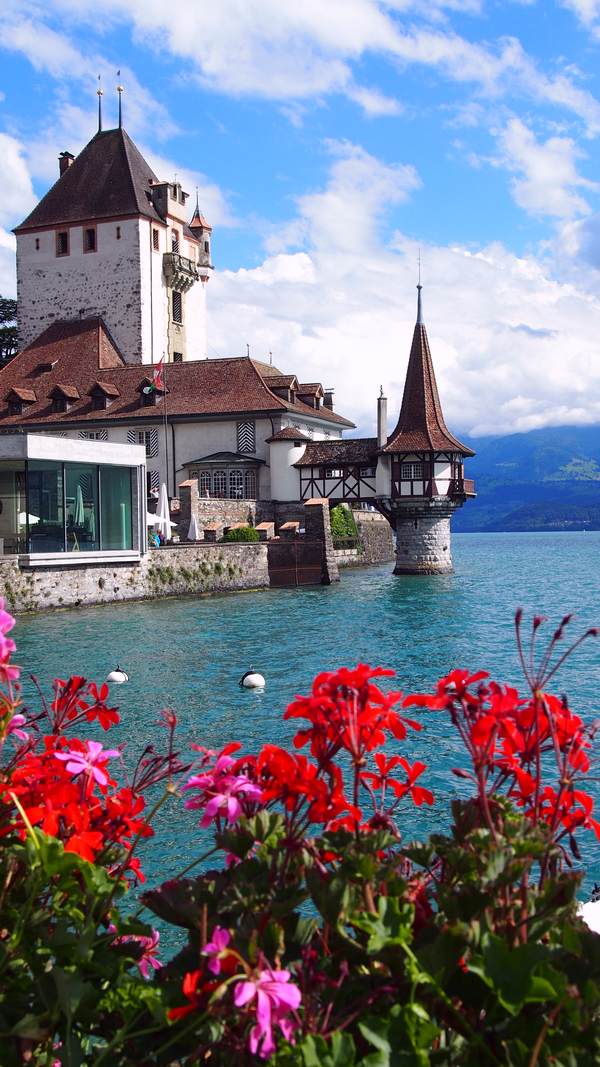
x=110, y=239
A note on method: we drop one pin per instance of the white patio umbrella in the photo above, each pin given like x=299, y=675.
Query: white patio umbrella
x=163, y=516
x=79, y=513
x=23, y=517
x=193, y=532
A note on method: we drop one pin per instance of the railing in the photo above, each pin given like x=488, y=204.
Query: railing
x=461, y=487
x=179, y=271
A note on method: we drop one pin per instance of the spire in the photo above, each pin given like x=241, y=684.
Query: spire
x=99, y=94
x=421, y=426
x=120, y=91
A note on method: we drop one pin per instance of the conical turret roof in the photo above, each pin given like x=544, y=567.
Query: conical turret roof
x=421, y=426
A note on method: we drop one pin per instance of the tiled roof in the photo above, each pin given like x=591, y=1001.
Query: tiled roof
x=282, y=381
x=70, y=354
x=421, y=426
x=109, y=177
x=105, y=387
x=288, y=433
x=23, y=394
x=310, y=388
x=361, y=451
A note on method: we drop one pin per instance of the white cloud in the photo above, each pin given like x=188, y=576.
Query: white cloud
x=18, y=198
x=374, y=103
x=547, y=177
x=586, y=10
x=512, y=345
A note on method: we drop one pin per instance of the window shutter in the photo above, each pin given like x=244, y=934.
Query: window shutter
x=151, y=441
x=153, y=480
x=246, y=436
x=132, y=437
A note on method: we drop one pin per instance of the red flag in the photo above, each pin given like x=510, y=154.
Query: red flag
x=157, y=376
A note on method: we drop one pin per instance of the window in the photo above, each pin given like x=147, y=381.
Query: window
x=62, y=243
x=174, y=241
x=246, y=436
x=99, y=402
x=333, y=472
x=173, y=192
x=81, y=498
x=59, y=403
x=89, y=239
x=236, y=485
x=118, y=233
x=206, y=247
x=410, y=471
x=155, y=240
x=204, y=483
x=177, y=357
x=177, y=307
x=37, y=244
x=220, y=484
x=250, y=485
x=15, y=407
x=153, y=481
x=45, y=500
x=93, y=435
x=368, y=472
x=148, y=438
x=115, y=508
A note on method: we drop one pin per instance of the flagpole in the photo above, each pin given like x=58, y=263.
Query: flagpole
x=166, y=429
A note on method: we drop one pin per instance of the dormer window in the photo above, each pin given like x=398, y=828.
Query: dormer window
x=19, y=399
x=62, y=397
x=62, y=243
x=59, y=404
x=150, y=396
x=103, y=394
x=89, y=239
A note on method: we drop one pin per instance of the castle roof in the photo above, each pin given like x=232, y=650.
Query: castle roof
x=109, y=178
x=361, y=451
x=421, y=426
x=288, y=433
x=69, y=355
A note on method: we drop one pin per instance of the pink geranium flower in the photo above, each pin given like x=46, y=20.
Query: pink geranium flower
x=220, y=792
x=14, y=727
x=91, y=762
x=8, y=672
x=148, y=961
x=275, y=997
x=214, y=948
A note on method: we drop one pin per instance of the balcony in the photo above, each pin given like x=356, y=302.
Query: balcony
x=179, y=271
x=462, y=487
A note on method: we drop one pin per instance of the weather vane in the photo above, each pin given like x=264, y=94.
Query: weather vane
x=120, y=91
x=99, y=94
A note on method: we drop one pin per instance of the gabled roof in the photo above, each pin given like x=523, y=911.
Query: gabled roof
x=109, y=177
x=27, y=395
x=223, y=459
x=107, y=388
x=421, y=426
x=358, y=451
x=72, y=353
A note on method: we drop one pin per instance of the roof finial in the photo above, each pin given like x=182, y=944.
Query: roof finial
x=419, y=303
x=248, y=348
x=99, y=94
x=197, y=212
x=120, y=91
x=381, y=391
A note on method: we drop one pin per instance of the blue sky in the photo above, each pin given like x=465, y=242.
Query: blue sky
x=332, y=140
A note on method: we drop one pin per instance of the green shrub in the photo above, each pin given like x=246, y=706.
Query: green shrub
x=242, y=533
x=343, y=525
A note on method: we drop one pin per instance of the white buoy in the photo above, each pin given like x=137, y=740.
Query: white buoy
x=590, y=913
x=252, y=680
x=117, y=677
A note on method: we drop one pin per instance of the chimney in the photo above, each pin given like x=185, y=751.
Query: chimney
x=65, y=160
x=382, y=433
x=328, y=399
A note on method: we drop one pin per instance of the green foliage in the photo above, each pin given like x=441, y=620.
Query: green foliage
x=242, y=533
x=343, y=525
x=8, y=328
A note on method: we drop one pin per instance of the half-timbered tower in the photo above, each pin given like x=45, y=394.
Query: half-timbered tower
x=420, y=473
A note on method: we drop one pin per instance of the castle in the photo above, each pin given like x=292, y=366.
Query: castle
x=111, y=285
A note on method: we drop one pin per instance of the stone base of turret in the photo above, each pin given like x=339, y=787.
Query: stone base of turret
x=423, y=537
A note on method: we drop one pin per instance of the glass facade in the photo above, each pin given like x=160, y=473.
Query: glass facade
x=49, y=506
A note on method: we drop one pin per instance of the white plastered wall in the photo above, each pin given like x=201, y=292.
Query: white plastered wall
x=285, y=478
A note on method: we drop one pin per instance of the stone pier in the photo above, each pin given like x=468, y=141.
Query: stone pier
x=423, y=537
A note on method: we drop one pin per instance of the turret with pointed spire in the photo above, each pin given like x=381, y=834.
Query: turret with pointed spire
x=422, y=468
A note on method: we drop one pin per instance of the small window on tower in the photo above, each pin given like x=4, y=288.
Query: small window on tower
x=62, y=243
x=174, y=241
x=118, y=233
x=177, y=357
x=89, y=239
x=37, y=244
x=177, y=307
x=206, y=246
x=155, y=240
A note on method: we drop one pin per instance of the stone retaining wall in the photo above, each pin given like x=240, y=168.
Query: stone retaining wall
x=179, y=571
x=376, y=538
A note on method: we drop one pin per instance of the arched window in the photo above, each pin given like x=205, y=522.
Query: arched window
x=250, y=485
x=204, y=483
x=236, y=485
x=220, y=484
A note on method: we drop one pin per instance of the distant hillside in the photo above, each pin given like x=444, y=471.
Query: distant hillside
x=542, y=480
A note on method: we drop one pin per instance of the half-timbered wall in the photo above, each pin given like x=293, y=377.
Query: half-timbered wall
x=338, y=483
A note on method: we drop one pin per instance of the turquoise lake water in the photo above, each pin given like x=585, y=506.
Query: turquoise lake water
x=189, y=655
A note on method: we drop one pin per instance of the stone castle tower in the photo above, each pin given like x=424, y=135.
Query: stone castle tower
x=420, y=469
x=110, y=239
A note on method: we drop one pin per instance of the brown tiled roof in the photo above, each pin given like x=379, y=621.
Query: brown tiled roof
x=421, y=425
x=105, y=387
x=282, y=381
x=361, y=451
x=73, y=352
x=310, y=388
x=109, y=177
x=23, y=394
x=70, y=391
x=288, y=433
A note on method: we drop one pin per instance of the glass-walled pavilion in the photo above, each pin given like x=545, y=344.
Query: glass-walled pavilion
x=61, y=496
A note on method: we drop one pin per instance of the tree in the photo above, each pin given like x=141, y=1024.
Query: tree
x=8, y=328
